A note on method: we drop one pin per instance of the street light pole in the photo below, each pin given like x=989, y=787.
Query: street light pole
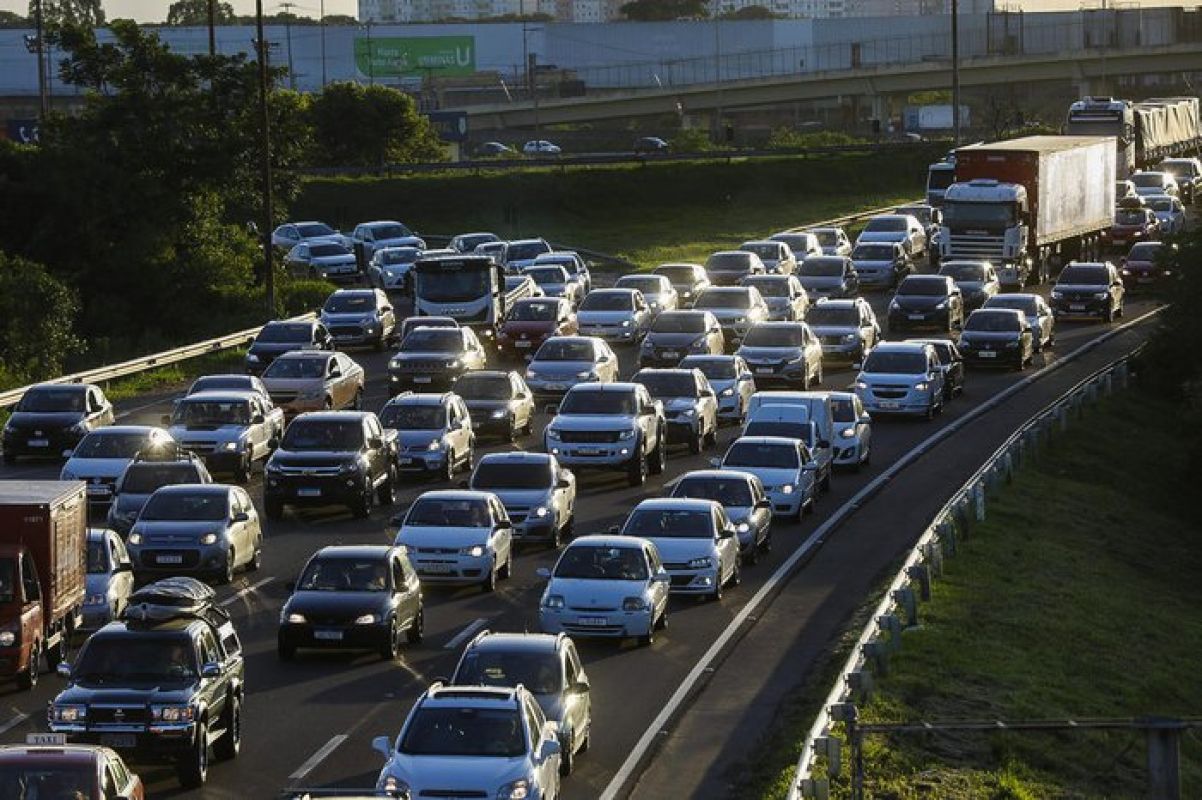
x=956, y=72
x=44, y=104
x=265, y=163
x=212, y=27
x=323, y=43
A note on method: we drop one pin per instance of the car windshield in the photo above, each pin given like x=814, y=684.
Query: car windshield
x=647, y=284
x=327, y=250
x=185, y=506
x=787, y=430
x=923, y=288
x=603, y=563
x=774, y=336
x=314, y=436
x=446, y=512
x=433, y=340
x=534, y=311
x=715, y=370
x=677, y=274
x=994, y=322
x=538, y=671
x=101, y=444
x=620, y=403
x=986, y=215
x=527, y=250
x=236, y=383
x=670, y=523
x=393, y=231
x=98, y=557
x=345, y=575
x=826, y=314
x=315, y=229
x=892, y=361
x=144, y=477
x=729, y=261
x=409, y=417
x=826, y=238
x=964, y=272
x=49, y=401
x=843, y=409
x=7, y=567
x=872, y=252
x=758, y=454
x=565, y=350
x=1148, y=180
x=822, y=267
x=547, y=274
x=940, y=178
x=286, y=332
x=399, y=255
x=769, y=287
x=669, y=384
x=504, y=475
x=478, y=732
x=670, y=322
x=1027, y=305
x=1129, y=216
x=1084, y=275
x=293, y=368
x=763, y=250
x=145, y=658
x=712, y=298
x=608, y=301
x=202, y=413
x=1158, y=204
x=730, y=492
x=1145, y=251
x=350, y=303
x=484, y=387
x=885, y=225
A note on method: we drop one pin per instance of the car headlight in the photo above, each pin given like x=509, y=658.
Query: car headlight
x=625, y=324
x=8, y=638
x=514, y=790
x=687, y=413
x=847, y=433
x=500, y=413
x=1057, y=295
x=293, y=618
x=1101, y=295
x=647, y=345
x=553, y=601
x=743, y=527
x=786, y=488
x=68, y=714
x=633, y=604
x=552, y=433
x=172, y=713
x=348, y=467
x=78, y=428
x=921, y=386
x=252, y=358
x=1126, y=271
x=231, y=447
x=627, y=434
x=369, y=329
x=394, y=363
x=475, y=551
x=134, y=538
x=584, y=376
x=941, y=305
x=394, y=787
x=728, y=392
x=209, y=538
x=861, y=384
x=531, y=373
x=701, y=344
x=893, y=306
x=455, y=364
x=435, y=444
x=1011, y=344
x=740, y=320
x=851, y=338
x=367, y=619
x=541, y=512
x=686, y=293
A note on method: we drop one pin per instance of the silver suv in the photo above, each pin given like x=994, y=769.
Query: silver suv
x=847, y=329
x=539, y=496
x=616, y=426
x=690, y=404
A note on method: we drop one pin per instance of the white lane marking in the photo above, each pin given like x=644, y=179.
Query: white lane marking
x=704, y=667
x=464, y=634
x=318, y=757
x=229, y=601
x=14, y=722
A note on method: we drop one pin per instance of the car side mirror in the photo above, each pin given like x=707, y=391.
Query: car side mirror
x=382, y=745
x=647, y=411
x=67, y=453
x=764, y=503
x=865, y=417
x=165, y=419
x=716, y=463
x=124, y=566
x=543, y=572
x=562, y=483
x=63, y=669
x=258, y=419
x=726, y=533
x=375, y=443
x=211, y=670
x=549, y=748
x=823, y=443
x=580, y=687
x=810, y=466
x=857, y=365
x=241, y=516
x=708, y=393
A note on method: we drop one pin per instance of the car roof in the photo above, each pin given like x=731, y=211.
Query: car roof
x=527, y=241
x=676, y=504
x=779, y=441
x=219, y=396
x=576, y=339
x=617, y=387
x=607, y=540
x=699, y=358
x=61, y=387
x=453, y=494
x=613, y=290
x=772, y=242
x=717, y=474
x=74, y=754
x=838, y=302
x=297, y=355
x=662, y=371
x=485, y=373
x=194, y=488
x=355, y=551
x=900, y=347
x=331, y=416
x=740, y=253
x=125, y=430
x=458, y=696
x=420, y=399
x=509, y=642
x=516, y=457
x=725, y=290
x=345, y=292
x=941, y=279
x=989, y=311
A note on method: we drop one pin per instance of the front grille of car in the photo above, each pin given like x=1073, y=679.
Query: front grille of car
x=191, y=558
x=323, y=471
x=590, y=437
x=1079, y=297
x=118, y=715
x=437, y=551
x=282, y=398
x=836, y=339
x=200, y=448
x=423, y=366
x=170, y=538
x=345, y=330
x=451, y=793
x=516, y=514
x=594, y=609
x=592, y=630
x=682, y=580
x=671, y=566
x=890, y=392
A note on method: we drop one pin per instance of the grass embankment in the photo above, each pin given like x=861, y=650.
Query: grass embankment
x=646, y=214
x=1078, y=597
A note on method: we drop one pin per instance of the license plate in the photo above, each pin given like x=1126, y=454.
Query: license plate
x=436, y=569
x=988, y=354
x=556, y=387
x=670, y=354
x=404, y=462
x=39, y=442
x=170, y=559
x=764, y=370
x=1076, y=306
x=1118, y=241
x=521, y=343
x=592, y=622
x=889, y=404
x=119, y=740
x=308, y=491
x=421, y=379
x=917, y=316
x=328, y=636
x=101, y=490
x=1140, y=279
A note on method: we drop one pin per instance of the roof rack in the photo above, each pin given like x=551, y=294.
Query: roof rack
x=172, y=599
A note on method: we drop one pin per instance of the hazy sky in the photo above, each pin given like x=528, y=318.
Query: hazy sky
x=156, y=10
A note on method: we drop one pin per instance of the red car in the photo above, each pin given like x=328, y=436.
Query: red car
x=48, y=767
x=531, y=321
x=1140, y=266
x=1131, y=225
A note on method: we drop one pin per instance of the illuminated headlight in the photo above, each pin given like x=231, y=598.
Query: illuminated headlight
x=847, y=433
x=96, y=600
x=500, y=413
x=552, y=433
x=394, y=363
x=1056, y=295
x=172, y=713
x=531, y=373
x=941, y=305
x=1101, y=295
x=231, y=447
x=209, y=538
x=553, y=601
x=625, y=324
x=68, y=714
x=626, y=434
x=861, y=384
x=634, y=604
x=293, y=618
x=134, y=538
x=369, y=329
x=921, y=386
x=786, y=488
x=434, y=445
x=475, y=551
x=686, y=293
x=252, y=358
x=541, y=512
x=743, y=527
x=584, y=376
x=394, y=787
x=893, y=306
x=1126, y=271
x=850, y=338
x=728, y=392
x=514, y=790
x=8, y=638
x=367, y=619
x=701, y=563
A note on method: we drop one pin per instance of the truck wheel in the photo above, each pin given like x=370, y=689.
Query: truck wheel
x=193, y=768
x=660, y=456
x=28, y=679
x=230, y=743
x=636, y=470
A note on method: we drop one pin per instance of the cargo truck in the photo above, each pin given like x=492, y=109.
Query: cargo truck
x=469, y=289
x=1147, y=131
x=1029, y=205
x=43, y=573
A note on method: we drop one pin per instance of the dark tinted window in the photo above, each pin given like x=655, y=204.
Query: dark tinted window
x=1084, y=275
x=479, y=732
x=345, y=575
x=755, y=454
x=185, y=506
x=286, y=332
x=313, y=435
x=44, y=400
x=538, y=671
x=504, y=475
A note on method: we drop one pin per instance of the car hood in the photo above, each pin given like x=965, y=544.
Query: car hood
x=348, y=319
x=399, y=241
x=207, y=433
x=968, y=287
x=426, y=355
x=1140, y=266
x=603, y=317
x=416, y=438
x=1084, y=288
x=770, y=353
x=331, y=261
x=83, y=468
x=768, y=476
x=312, y=458
x=339, y=604
x=522, y=498
x=890, y=377
x=540, y=328
x=917, y=302
x=133, y=694
x=882, y=236
x=834, y=330
x=467, y=773
x=681, y=340
x=293, y=384
x=727, y=314
x=421, y=536
x=595, y=593
x=592, y=422
x=184, y=528
x=50, y=420
x=677, y=550
x=485, y=405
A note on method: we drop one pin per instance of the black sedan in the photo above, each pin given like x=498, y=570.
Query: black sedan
x=499, y=403
x=51, y=418
x=353, y=598
x=997, y=337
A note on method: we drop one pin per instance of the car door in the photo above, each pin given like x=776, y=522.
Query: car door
x=212, y=688
x=578, y=700
x=607, y=361
x=728, y=546
x=745, y=385
x=658, y=588
x=237, y=525
x=387, y=313
x=812, y=347
x=379, y=457
x=474, y=350
x=1047, y=321
x=458, y=426
x=122, y=578
x=546, y=770
x=936, y=374
x=404, y=599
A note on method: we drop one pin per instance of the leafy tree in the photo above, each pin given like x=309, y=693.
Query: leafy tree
x=340, y=19
x=750, y=12
x=196, y=12
x=369, y=126
x=664, y=10
x=11, y=19
x=60, y=13
x=37, y=318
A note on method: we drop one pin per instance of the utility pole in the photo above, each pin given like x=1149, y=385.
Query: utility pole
x=956, y=72
x=322, y=14
x=212, y=27
x=40, y=45
x=265, y=163
x=371, y=57
x=287, y=5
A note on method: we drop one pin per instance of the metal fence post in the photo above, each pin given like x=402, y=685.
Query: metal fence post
x=922, y=574
x=905, y=598
x=947, y=535
x=893, y=625
x=978, y=492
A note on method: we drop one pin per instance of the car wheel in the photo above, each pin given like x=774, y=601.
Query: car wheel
x=361, y=508
x=227, y=575
x=507, y=568
x=528, y=428
x=567, y=759
x=242, y=471
x=256, y=557
x=697, y=441
x=766, y=545
x=386, y=494
x=230, y=743
x=736, y=577
x=392, y=645
x=417, y=628
x=649, y=639
x=825, y=485
x=1108, y=317
x=711, y=438
x=752, y=556
x=28, y=679
x=328, y=404
x=193, y=769
x=512, y=434
x=636, y=470
x=657, y=465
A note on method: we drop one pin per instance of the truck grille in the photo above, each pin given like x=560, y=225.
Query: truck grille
x=346, y=330
x=118, y=715
x=985, y=247
x=423, y=366
x=590, y=437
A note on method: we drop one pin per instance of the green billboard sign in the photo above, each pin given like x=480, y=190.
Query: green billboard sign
x=397, y=57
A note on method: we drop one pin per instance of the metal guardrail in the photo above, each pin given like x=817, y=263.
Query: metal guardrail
x=154, y=361
x=898, y=609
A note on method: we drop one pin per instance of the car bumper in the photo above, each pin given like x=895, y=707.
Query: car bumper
x=345, y=636
x=49, y=445
x=1079, y=308
x=792, y=373
x=152, y=741
x=420, y=382
x=318, y=490
x=693, y=581
x=598, y=624
x=519, y=348
x=910, y=320
x=609, y=333
x=877, y=278
x=843, y=352
x=1007, y=357
x=603, y=456
x=682, y=429
x=492, y=426
x=784, y=505
x=452, y=568
x=166, y=560
x=911, y=402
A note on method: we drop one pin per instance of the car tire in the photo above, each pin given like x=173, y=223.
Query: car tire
x=736, y=577
x=824, y=485
x=193, y=769
x=528, y=428
x=357, y=403
x=230, y=744
x=256, y=557
x=386, y=494
x=752, y=556
x=507, y=568
x=697, y=442
x=567, y=758
x=490, y=580
x=27, y=679
x=448, y=470
x=660, y=462
x=242, y=471
x=636, y=470
x=361, y=507
x=227, y=575
x=417, y=628
x=649, y=638
x=391, y=647
x=1108, y=317
x=711, y=438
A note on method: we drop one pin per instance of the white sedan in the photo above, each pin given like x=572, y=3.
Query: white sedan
x=541, y=147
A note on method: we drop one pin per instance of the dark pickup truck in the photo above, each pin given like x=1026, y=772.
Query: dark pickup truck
x=332, y=458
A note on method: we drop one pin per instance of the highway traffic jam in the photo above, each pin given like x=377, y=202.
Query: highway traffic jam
x=451, y=518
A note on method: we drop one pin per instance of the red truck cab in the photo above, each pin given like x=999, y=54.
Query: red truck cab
x=46, y=766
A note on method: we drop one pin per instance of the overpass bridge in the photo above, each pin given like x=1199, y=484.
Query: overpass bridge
x=1084, y=69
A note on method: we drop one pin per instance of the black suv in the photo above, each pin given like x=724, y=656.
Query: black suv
x=165, y=683
x=284, y=336
x=146, y=473
x=332, y=458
